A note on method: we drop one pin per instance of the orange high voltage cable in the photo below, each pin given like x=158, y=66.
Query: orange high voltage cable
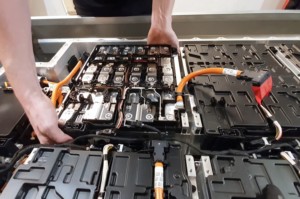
x=55, y=92
x=159, y=180
x=225, y=71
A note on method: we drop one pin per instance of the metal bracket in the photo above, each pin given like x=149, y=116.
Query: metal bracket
x=206, y=165
x=191, y=171
x=196, y=125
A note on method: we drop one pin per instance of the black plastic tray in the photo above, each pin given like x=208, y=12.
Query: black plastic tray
x=56, y=173
x=227, y=105
x=241, y=177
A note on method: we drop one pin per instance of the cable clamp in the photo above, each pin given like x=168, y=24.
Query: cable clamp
x=266, y=141
x=298, y=143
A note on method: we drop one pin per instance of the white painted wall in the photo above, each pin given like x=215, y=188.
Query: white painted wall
x=47, y=8
x=203, y=6
x=65, y=7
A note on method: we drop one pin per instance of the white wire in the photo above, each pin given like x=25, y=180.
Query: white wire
x=106, y=149
x=288, y=158
x=275, y=123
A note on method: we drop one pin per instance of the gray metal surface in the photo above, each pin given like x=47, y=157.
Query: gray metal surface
x=186, y=26
x=57, y=39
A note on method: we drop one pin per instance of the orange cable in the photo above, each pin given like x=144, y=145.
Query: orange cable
x=48, y=82
x=198, y=73
x=158, y=176
x=55, y=92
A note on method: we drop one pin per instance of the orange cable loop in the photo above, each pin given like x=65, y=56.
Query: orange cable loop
x=55, y=92
x=198, y=73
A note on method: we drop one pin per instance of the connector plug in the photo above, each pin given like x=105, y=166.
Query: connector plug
x=257, y=77
x=160, y=147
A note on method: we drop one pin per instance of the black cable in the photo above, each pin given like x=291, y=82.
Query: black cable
x=152, y=128
x=107, y=137
x=19, y=154
x=146, y=126
x=200, y=151
x=237, y=152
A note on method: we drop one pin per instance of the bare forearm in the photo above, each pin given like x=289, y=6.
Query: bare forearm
x=162, y=13
x=16, y=52
x=161, y=31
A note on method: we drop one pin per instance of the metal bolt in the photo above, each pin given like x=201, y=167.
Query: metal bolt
x=134, y=79
x=150, y=79
x=118, y=79
x=151, y=69
x=149, y=117
x=108, y=116
x=169, y=117
x=128, y=116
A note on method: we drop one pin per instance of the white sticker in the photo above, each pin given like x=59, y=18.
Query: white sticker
x=231, y=72
x=31, y=155
x=159, y=177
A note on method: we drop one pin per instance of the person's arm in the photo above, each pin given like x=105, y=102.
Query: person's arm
x=161, y=31
x=16, y=55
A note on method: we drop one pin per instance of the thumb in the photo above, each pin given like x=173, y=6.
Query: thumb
x=57, y=136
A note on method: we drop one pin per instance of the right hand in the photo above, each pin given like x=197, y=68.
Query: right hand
x=157, y=35
x=44, y=121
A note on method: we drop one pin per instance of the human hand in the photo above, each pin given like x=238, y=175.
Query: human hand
x=159, y=35
x=44, y=121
